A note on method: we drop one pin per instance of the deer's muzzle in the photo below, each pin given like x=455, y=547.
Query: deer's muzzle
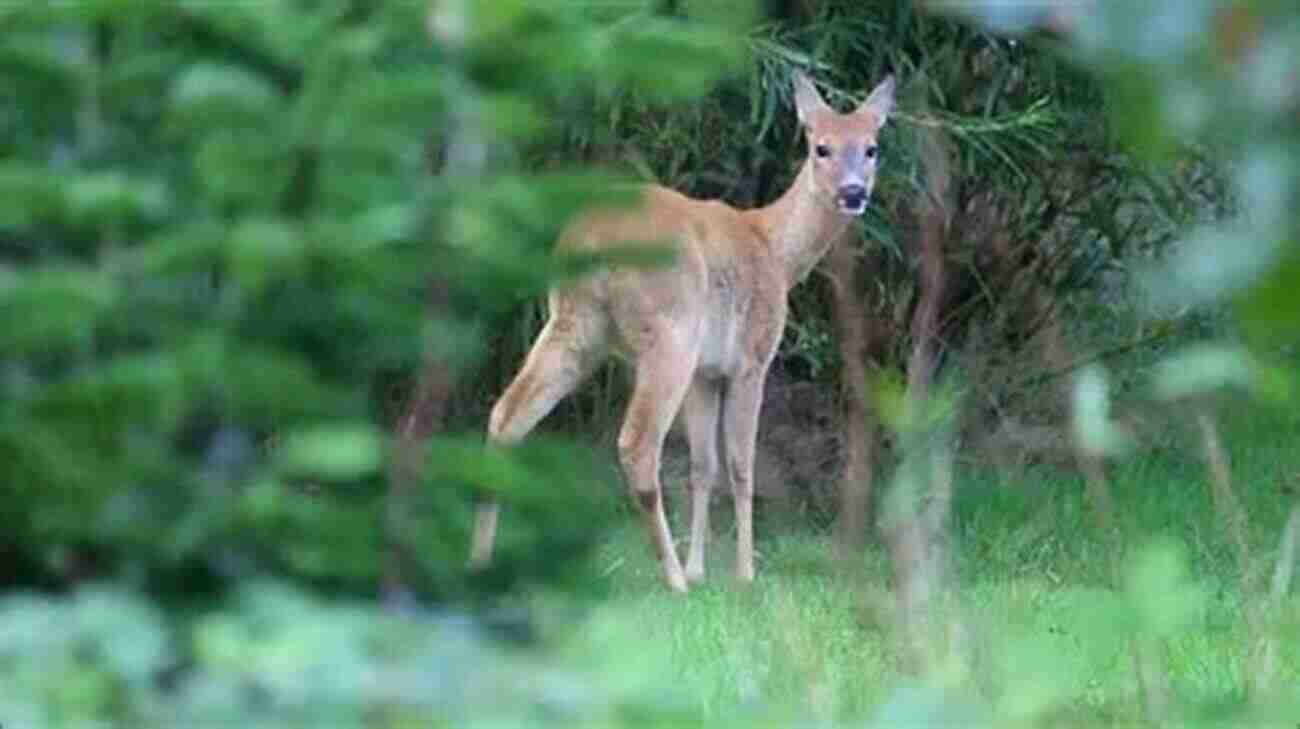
x=853, y=199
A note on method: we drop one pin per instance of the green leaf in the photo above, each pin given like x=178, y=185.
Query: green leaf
x=244, y=170
x=29, y=58
x=457, y=460
x=261, y=250
x=1269, y=310
x=105, y=10
x=1003, y=17
x=224, y=643
x=1094, y=431
x=139, y=391
x=391, y=98
x=47, y=309
x=222, y=95
x=513, y=117
x=1203, y=368
x=1213, y=264
x=126, y=629
x=902, y=413
x=29, y=195
x=261, y=386
x=699, y=55
x=177, y=251
x=571, y=264
x=381, y=226
x=114, y=198
x=331, y=452
x=1159, y=586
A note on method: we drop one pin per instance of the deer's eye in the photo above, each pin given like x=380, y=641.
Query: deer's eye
x=822, y=150
x=871, y=152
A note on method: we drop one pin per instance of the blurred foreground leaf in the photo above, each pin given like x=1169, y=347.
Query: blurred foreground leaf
x=331, y=453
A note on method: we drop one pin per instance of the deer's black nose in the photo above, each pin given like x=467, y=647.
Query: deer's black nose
x=853, y=196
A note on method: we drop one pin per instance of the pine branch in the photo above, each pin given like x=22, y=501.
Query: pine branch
x=287, y=78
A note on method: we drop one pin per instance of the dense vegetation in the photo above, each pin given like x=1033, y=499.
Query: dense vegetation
x=264, y=265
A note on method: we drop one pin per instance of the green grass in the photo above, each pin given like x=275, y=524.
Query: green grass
x=811, y=641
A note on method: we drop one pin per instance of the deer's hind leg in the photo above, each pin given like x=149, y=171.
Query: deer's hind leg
x=567, y=350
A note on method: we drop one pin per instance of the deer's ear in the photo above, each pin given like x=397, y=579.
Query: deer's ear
x=806, y=99
x=881, y=101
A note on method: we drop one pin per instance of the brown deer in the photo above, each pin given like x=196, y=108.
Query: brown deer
x=700, y=334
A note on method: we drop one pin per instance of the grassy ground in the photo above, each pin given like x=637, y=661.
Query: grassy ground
x=1047, y=624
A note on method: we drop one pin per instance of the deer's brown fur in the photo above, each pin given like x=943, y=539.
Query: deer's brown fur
x=701, y=333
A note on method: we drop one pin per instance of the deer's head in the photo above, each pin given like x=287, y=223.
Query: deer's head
x=843, y=146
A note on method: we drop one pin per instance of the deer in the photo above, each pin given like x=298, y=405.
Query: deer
x=699, y=334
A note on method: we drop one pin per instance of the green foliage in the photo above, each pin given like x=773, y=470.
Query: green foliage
x=230, y=232
x=1168, y=90
x=331, y=453
x=1094, y=430
x=218, y=230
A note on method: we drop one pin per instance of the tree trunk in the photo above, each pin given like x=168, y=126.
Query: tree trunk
x=418, y=418
x=465, y=157
x=916, y=516
x=920, y=365
x=854, y=331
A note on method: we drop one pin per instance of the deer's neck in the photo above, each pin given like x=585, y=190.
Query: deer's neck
x=800, y=226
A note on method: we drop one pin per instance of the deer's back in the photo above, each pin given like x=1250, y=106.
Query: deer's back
x=724, y=286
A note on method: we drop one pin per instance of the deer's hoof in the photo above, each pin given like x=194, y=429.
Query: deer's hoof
x=676, y=583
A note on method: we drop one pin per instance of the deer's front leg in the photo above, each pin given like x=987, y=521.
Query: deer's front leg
x=740, y=431
x=701, y=411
